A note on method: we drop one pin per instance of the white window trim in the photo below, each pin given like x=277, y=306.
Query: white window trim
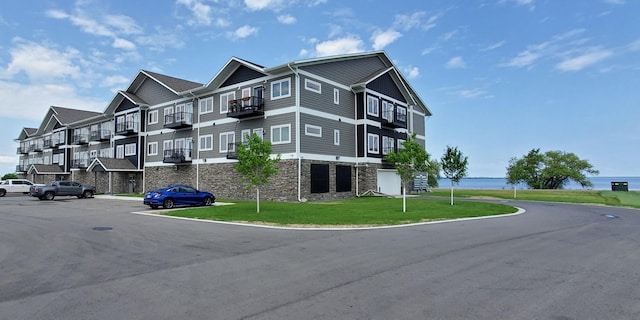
x=224, y=147
x=120, y=151
x=279, y=82
x=336, y=96
x=312, y=127
x=336, y=137
x=224, y=107
x=152, y=148
x=273, y=128
x=206, y=146
x=377, y=111
x=308, y=85
x=153, y=115
x=129, y=149
x=259, y=132
x=373, y=147
x=208, y=102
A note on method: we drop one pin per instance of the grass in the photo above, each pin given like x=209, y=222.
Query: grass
x=364, y=211
x=612, y=198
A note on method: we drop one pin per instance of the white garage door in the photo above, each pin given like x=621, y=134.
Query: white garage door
x=389, y=182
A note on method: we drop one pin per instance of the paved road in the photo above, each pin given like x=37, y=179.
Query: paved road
x=92, y=259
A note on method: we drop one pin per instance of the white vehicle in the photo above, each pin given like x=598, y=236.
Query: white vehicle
x=16, y=186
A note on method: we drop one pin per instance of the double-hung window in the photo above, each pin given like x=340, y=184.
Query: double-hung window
x=153, y=117
x=388, y=144
x=227, y=141
x=372, y=106
x=120, y=151
x=281, y=89
x=206, y=143
x=152, y=148
x=281, y=134
x=206, y=105
x=130, y=149
x=224, y=101
x=373, y=143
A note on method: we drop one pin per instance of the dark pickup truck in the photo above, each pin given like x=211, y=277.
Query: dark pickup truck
x=62, y=188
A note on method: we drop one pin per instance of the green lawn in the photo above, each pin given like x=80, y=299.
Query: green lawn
x=612, y=198
x=364, y=211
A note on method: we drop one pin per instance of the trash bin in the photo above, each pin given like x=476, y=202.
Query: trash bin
x=619, y=186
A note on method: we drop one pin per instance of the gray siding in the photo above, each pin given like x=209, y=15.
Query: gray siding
x=324, y=101
x=324, y=145
x=279, y=103
x=418, y=124
x=347, y=72
x=288, y=118
x=154, y=93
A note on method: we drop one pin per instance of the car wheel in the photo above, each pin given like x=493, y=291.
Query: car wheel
x=49, y=195
x=207, y=201
x=168, y=204
x=3, y=192
x=87, y=194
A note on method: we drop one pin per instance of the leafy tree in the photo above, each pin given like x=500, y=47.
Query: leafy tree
x=454, y=166
x=9, y=176
x=433, y=173
x=255, y=164
x=549, y=170
x=408, y=160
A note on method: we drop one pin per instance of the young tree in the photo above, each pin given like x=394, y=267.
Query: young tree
x=551, y=170
x=433, y=173
x=408, y=160
x=9, y=176
x=255, y=164
x=454, y=166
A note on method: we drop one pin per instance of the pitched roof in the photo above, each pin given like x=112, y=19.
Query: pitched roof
x=109, y=164
x=45, y=169
x=175, y=84
x=67, y=115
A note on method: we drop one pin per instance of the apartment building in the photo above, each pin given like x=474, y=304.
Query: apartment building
x=331, y=119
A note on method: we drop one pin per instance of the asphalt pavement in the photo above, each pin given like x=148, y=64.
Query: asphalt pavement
x=94, y=259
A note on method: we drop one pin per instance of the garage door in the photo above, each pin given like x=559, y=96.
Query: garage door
x=389, y=182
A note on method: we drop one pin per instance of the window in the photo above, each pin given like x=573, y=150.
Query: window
x=224, y=101
x=400, y=144
x=206, y=143
x=106, y=153
x=259, y=132
x=206, y=105
x=227, y=141
x=373, y=145
x=312, y=86
x=372, y=106
x=93, y=154
x=387, y=111
x=311, y=130
x=245, y=135
x=281, y=134
x=280, y=89
x=46, y=160
x=130, y=149
x=388, y=144
x=168, y=115
x=120, y=152
x=167, y=145
x=56, y=158
x=336, y=96
x=336, y=137
x=153, y=117
x=401, y=114
x=152, y=148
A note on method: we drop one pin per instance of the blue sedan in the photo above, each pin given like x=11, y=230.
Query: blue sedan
x=176, y=195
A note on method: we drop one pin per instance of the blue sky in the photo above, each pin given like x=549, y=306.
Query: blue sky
x=500, y=76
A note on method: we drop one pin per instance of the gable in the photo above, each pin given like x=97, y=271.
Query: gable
x=242, y=74
x=124, y=105
x=385, y=85
x=348, y=71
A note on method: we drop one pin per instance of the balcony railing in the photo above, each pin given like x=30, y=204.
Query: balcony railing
x=178, y=120
x=232, y=150
x=79, y=163
x=81, y=138
x=126, y=128
x=21, y=168
x=395, y=118
x=181, y=155
x=100, y=135
x=22, y=150
x=48, y=143
x=246, y=107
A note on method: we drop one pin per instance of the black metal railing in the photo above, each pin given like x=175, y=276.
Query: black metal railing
x=246, y=107
x=177, y=120
x=126, y=127
x=180, y=155
x=81, y=138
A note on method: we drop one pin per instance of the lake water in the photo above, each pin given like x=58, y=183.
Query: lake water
x=599, y=183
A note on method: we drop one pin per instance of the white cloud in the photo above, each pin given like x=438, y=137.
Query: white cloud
x=111, y=81
x=243, y=32
x=493, y=46
x=408, y=22
x=256, y=5
x=346, y=45
x=474, y=93
x=381, y=39
x=524, y=59
x=522, y=3
x=200, y=11
x=456, y=63
x=412, y=72
x=39, y=62
x=428, y=50
x=120, y=43
x=161, y=39
x=286, y=19
x=592, y=56
x=124, y=24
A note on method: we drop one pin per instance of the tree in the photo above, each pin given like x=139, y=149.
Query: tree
x=454, y=166
x=408, y=160
x=9, y=176
x=255, y=164
x=433, y=173
x=551, y=170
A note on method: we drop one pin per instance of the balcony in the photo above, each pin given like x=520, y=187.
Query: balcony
x=177, y=156
x=126, y=128
x=81, y=138
x=246, y=107
x=80, y=163
x=56, y=142
x=22, y=150
x=395, y=119
x=21, y=168
x=232, y=152
x=100, y=135
x=48, y=143
x=178, y=120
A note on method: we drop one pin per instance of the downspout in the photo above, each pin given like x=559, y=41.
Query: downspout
x=355, y=113
x=298, y=131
